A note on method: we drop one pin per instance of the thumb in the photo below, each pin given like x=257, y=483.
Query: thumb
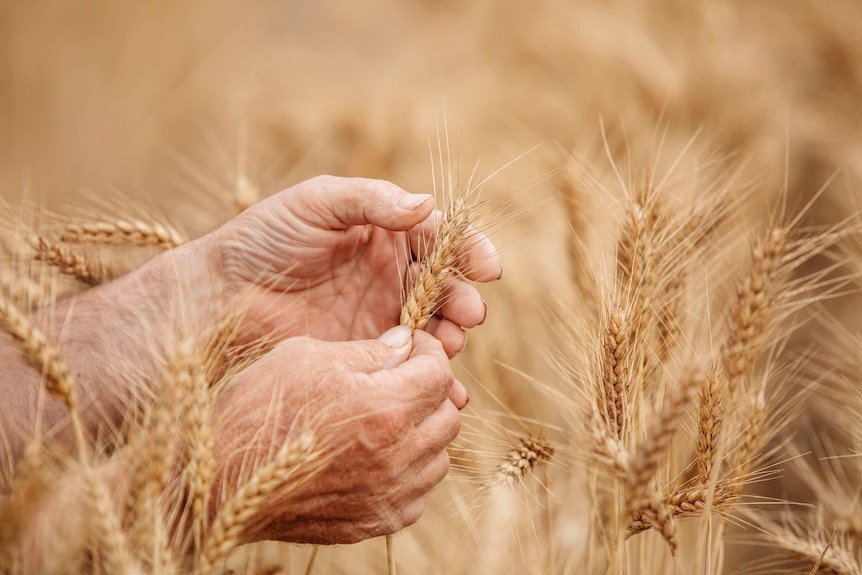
x=365, y=356
x=336, y=203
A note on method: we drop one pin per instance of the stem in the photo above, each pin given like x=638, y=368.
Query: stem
x=311, y=560
x=390, y=555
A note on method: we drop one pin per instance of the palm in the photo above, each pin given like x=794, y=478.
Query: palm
x=340, y=284
x=327, y=258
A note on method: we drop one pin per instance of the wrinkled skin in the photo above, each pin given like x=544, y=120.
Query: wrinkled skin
x=327, y=257
x=385, y=414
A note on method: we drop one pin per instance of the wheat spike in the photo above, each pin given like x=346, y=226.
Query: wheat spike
x=107, y=534
x=681, y=504
x=710, y=418
x=754, y=306
x=523, y=459
x=616, y=365
x=131, y=232
x=658, y=440
x=752, y=437
x=198, y=437
x=57, y=378
x=18, y=505
x=155, y=450
x=66, y=261
x=423, y=296
x=234, y=516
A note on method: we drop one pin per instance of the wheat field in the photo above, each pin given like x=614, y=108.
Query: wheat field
x=670, y=376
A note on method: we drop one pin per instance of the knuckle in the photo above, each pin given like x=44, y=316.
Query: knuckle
x=322, y=181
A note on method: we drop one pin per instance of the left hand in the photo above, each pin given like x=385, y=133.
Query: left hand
x=327, y=258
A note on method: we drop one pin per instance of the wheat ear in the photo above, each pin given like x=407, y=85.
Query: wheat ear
x=106, y=530
x=754, y=307
x=66, y=261
x=236, y=514
x=156, y=448
x=423, y=297
x=616, y=364
x=685, y=503
x=649, y=455
x=57, y=378
x=198, y=436
x=523, y=459
x=710, y=419
x=129, y=232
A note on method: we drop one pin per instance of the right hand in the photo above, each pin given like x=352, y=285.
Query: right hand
x=385, y=408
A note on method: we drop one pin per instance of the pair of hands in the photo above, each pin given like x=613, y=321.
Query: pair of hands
x=321, y=267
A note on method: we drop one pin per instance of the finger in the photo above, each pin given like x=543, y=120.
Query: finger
x=421, y=236
x=411, y=513
x=424, y=380
x=450, y=334
x=478, y=259
x=365, y=356
x=458, y=395
x=437, y=430
x=462, y=304
x=331, y=202
x=434, y=472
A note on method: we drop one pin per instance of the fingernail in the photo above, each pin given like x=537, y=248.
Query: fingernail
x=397, y=337
x=457, y=352
x=485, y=314
x=467, y=401
x=501, y=273
x=413, y=201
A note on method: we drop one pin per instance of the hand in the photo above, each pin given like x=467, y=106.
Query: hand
x=327, y=258
x=387, y=408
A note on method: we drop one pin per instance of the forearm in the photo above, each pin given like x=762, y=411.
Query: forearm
x=112, y=337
